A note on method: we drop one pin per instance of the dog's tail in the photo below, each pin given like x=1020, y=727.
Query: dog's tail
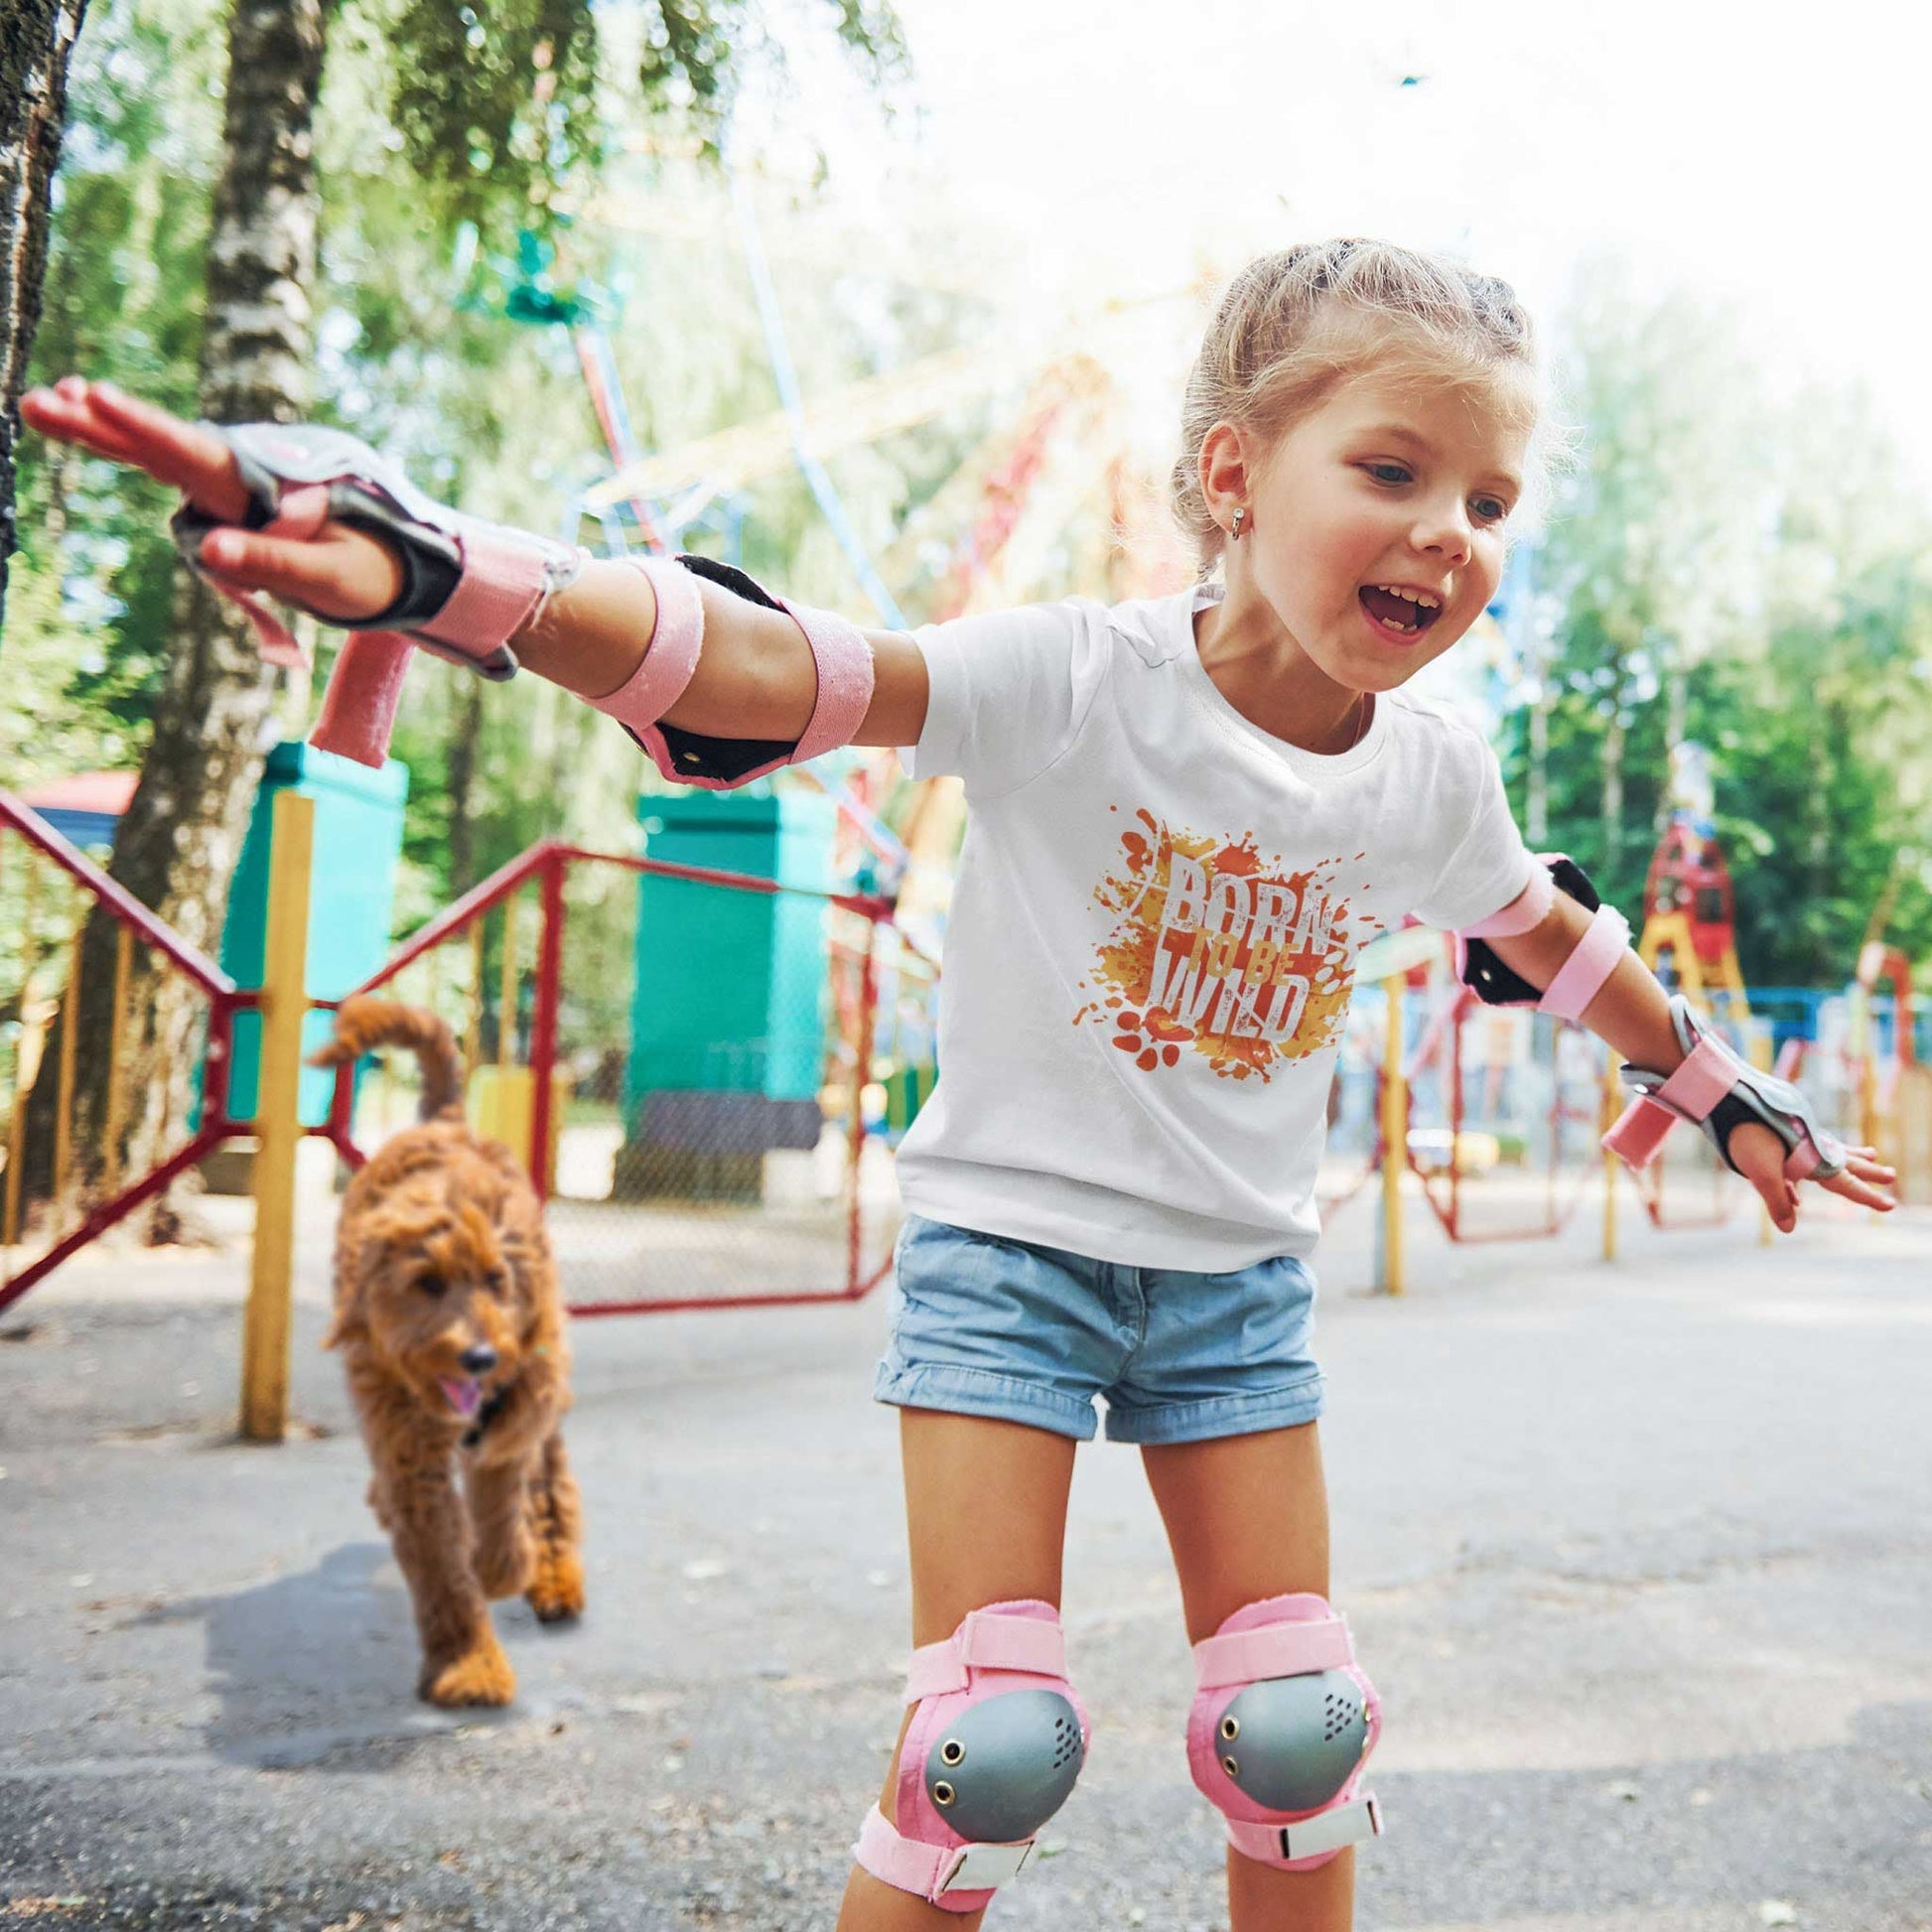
x=363, y=1022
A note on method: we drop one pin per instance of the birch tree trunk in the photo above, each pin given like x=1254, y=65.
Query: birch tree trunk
x=1613, y=806
x=178, y=842
x=36, y=40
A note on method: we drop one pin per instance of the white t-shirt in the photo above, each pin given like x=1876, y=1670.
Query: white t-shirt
x=1154, y=931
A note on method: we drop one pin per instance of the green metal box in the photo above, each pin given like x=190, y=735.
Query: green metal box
x=358, y=847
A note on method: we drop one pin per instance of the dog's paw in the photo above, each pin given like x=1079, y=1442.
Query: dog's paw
x=482, y=1676
x=557, y=1590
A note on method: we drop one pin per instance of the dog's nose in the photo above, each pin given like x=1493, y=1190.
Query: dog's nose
x=479, y=1359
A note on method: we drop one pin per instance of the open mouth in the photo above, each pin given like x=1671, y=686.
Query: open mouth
x=465, y=1394
x=1399, y=613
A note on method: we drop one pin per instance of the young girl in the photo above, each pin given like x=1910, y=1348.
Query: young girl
x=1188, y=814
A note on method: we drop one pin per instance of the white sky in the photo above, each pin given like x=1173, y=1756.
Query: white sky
x=1762, y=156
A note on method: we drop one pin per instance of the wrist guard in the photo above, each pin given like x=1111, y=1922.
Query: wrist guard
x=468, y=587
x=1717, y=1091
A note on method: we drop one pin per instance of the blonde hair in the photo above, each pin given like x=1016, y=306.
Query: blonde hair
x=1292, y=326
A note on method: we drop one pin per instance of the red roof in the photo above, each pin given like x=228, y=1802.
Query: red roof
x=107, y=793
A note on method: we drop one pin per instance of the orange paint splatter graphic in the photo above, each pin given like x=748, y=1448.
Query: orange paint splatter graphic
x=1216, y=949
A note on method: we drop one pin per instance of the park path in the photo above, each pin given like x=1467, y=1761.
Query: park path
x=1638, y=1556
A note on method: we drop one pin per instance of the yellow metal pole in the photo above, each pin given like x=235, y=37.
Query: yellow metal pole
x=1395, y=1140
x=506, y=991
x=266, y=1325
x=110, y=1161
x=473, y=1042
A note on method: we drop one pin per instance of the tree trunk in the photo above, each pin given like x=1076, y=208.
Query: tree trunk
x=35, y=39
x=466, y=734
x=177, y=844
x=1612, y=807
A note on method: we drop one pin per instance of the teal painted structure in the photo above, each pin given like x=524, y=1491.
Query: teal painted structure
x=730, y=985
x=351, y=902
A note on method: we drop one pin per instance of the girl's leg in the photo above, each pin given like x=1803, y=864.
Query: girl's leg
x=1247, y=1517
x=986, y=1522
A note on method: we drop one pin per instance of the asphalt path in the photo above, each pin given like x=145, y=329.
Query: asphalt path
x=1637, y=1555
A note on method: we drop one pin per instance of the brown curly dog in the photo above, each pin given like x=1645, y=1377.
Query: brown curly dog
x=451, y=1332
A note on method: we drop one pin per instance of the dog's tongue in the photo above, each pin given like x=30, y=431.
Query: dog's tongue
x=464, y=1397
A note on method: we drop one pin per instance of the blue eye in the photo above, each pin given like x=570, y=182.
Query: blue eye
x=1491, y=509
x=1388, y=473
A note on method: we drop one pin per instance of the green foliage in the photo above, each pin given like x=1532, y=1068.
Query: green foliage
x=499, y=107
x=85, y=634
x=1746, y=571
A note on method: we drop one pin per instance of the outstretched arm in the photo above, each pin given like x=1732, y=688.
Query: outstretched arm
x=755, y=678
x=1633, y=1012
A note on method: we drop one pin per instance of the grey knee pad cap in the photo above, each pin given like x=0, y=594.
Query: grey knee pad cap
x=1004, y=1767
x=1292, y=1743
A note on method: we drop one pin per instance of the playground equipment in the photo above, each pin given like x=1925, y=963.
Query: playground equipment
x=1894, y=1089
x=1689, y=935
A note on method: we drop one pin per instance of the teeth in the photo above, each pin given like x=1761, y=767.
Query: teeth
x=1423, y=597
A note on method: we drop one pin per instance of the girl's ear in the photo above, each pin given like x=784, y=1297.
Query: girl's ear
x=1224, y=471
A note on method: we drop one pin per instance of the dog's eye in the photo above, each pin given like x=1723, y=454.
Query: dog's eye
x=431, y=1284
x=497, y=1281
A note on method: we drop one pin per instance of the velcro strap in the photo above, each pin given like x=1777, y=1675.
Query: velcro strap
x=1804, y=1160
x=1273, y=1650
x=1640, y=1132
x=986, y=1640
x=359, y=709
x=978, y=1867
x=502, y=582
x=845, y=676
x=275, y=641
x=931, y=1871
x=671, y=658
x=1523, y=914
x=1309, y=1838
x=299, y=513
x=1708, y=1071
x=1592, y=959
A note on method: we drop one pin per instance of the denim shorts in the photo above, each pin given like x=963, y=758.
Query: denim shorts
x=986, y=1326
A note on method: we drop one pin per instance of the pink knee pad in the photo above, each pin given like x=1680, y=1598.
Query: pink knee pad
x=996, y=1741
x=1281, y=1731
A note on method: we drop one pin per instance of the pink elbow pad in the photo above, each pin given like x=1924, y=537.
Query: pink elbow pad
x=1580, y=976
x=840, y=653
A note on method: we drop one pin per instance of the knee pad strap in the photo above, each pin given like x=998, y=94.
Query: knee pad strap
x=1278, y=1737
x=996, y=1742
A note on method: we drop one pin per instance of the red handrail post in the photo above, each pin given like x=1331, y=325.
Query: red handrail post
x=543, y=1017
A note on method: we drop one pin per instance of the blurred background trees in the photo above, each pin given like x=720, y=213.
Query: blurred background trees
x=1730, y=563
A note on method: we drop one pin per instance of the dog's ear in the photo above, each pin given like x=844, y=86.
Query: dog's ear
x=351, y=1323
x=346, y=1326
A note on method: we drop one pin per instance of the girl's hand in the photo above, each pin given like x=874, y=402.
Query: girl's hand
x=339, y=575
x=1760, y=1156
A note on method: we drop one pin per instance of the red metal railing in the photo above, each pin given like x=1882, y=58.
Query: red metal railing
x=548, y=866
x=137, y=926
x=1443, y=1186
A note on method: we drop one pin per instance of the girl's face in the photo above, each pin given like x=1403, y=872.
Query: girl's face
x=1378, y=526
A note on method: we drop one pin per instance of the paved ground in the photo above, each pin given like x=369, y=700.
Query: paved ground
x=1639, y=1558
